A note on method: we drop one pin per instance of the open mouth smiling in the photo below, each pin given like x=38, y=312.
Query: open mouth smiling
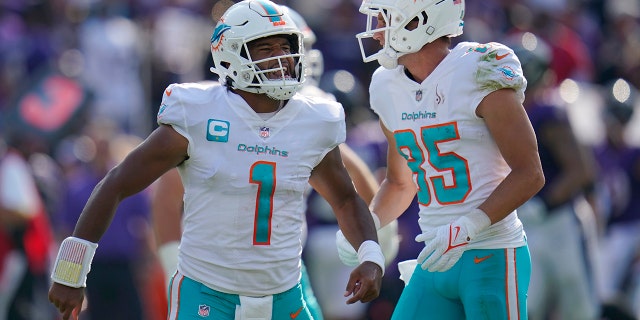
x=279, y=73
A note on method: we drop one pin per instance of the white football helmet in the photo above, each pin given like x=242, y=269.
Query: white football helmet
x=436, y=18
x=242, y=23
x=314, y=61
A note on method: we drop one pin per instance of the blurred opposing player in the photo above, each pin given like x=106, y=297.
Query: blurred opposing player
x=562, y=280
x=619, y=164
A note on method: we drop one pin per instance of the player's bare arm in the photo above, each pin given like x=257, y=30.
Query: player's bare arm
x=161, y=151
x=331, y=180
x=510, y=127
x=398, y=189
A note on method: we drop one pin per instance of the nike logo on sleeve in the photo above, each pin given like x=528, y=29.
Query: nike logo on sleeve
x=500, y=57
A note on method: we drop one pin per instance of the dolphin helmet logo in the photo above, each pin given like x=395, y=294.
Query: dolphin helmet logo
x=218, y=35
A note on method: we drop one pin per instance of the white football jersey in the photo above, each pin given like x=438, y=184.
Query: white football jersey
x=455, y=161
x=244, y=184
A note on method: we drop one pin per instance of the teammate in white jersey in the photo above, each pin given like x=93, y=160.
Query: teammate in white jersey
x=460, y=139
x=245, y=151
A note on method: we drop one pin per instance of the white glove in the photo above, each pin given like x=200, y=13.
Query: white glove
x=444, y=245
x=346, y=252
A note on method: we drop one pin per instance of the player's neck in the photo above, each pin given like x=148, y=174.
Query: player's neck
x=422, y=63
x=261, y=103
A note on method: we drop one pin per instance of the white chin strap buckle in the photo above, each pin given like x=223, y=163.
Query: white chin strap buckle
x=73, y=262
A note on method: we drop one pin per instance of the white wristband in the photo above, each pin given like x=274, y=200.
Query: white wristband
x=370, y=251
x=73, y=262
x=479, y=221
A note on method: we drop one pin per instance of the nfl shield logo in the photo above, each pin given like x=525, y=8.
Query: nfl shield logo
x=418, y=95
x=264, y=132
x=203, y=310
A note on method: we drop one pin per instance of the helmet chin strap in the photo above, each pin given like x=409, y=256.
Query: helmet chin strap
x=388, y=58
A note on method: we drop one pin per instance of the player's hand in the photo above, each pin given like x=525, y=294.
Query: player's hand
x=346, y=252
x=444, y=245
x=364, y=283
x=67, y=300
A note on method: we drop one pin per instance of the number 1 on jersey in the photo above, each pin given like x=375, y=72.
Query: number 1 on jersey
x=263, y=173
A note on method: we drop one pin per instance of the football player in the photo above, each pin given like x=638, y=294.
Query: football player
x=246, y=149
x=459, y=138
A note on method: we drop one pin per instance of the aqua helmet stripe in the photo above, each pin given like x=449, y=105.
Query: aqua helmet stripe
x=272, y=12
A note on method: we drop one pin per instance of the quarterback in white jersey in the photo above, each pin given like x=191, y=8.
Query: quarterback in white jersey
x=460, y=140
x=230, y=145
x=245, y=151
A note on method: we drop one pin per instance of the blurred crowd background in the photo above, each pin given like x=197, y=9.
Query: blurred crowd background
x=81, y=82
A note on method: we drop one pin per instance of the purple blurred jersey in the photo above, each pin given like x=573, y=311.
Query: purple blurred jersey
x=620, y=174
x=540, y=116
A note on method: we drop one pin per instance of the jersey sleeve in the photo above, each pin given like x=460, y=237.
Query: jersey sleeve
x=328, y=118
x=341, y=135
x=172, y=111
x=499, y=68
x=338, y=113
x=333, y=119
